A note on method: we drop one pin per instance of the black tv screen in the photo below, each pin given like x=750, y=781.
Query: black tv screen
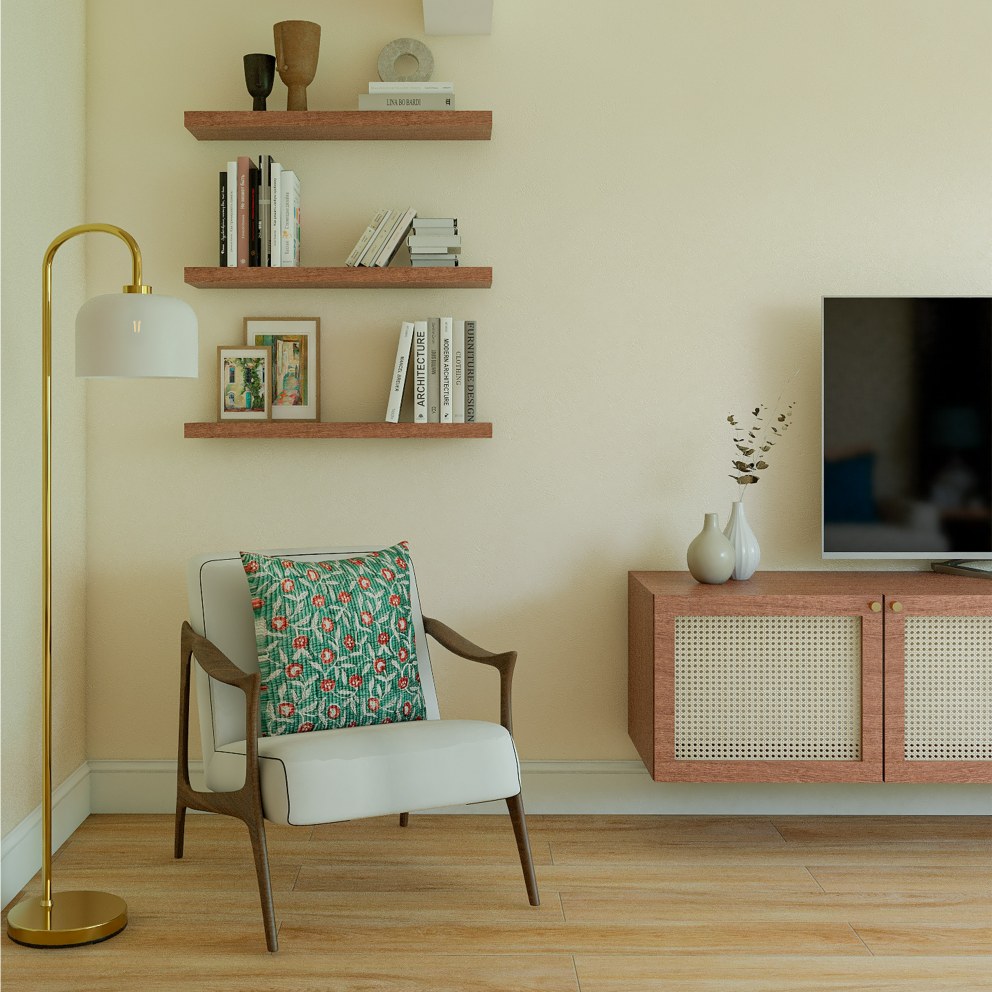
x=907, y=427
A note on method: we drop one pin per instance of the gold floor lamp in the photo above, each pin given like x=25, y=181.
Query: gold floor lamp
x=123, y=335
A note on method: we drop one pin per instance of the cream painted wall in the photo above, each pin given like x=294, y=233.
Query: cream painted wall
x=670, y=189
x=43, y=93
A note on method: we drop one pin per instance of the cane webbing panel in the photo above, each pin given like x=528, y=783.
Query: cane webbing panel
x=948, y=689
x=768, y=688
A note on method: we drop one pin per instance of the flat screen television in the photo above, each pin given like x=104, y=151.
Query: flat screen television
x=907, y=427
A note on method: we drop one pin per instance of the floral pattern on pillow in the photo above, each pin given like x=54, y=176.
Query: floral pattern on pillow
x=336, y=645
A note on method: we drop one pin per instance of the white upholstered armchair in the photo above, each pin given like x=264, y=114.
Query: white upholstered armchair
x=344, y=773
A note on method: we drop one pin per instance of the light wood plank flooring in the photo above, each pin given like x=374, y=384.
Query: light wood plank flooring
x=629, y=904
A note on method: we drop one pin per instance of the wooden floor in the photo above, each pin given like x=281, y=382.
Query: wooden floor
x=629, y=904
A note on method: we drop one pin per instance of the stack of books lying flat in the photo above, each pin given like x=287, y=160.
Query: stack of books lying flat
x=434, y=241
x=424, y=95
x=435, y=369
x=383, y=237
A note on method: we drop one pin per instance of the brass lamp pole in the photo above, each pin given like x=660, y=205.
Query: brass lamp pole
x=130, y=335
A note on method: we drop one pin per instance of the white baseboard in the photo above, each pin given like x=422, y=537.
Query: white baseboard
x=569, y=787
x=577, y=787
x=20, y=860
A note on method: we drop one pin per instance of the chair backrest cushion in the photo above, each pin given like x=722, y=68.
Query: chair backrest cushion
x=221, y=610
x=336, y=646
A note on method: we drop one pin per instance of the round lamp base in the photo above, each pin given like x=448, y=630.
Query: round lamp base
x=74, y=918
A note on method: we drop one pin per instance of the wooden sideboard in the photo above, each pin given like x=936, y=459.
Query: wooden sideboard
x=811, y=677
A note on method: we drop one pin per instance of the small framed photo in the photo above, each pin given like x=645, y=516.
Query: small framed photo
x=295, y=345
x=244, y=375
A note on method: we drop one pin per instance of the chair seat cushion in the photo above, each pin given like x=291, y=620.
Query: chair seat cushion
x=330, y=775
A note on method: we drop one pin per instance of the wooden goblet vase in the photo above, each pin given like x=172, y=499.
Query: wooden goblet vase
x=297, y=47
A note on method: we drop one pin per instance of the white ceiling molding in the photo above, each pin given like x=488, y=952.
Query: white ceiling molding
x=458, y=16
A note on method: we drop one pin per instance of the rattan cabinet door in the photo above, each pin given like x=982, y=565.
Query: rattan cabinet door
x=938, y=688
x=778, y=679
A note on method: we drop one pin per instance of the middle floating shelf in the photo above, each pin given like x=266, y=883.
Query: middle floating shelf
x=339, y=277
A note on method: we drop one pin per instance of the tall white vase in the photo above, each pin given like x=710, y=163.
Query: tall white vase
x=747, y=554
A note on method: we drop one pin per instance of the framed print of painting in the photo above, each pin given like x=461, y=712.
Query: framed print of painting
x=243, y=380
x=295, y=383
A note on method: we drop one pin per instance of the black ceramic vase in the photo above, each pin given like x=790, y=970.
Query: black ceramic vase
x=260, y=74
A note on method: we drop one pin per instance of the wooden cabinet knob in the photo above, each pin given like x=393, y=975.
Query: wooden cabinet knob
x=897, y=607
x=876, y=607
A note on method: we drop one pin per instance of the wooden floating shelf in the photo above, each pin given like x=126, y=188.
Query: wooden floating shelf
x=263, y=429
x=340, y=277
x=339, y=125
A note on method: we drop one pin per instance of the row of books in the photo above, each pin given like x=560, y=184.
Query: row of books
x=424, y=95
x=259, y=214
x=430, y=240
x=436, y=366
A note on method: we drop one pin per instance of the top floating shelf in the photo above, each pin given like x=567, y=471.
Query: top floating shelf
x=339, y=125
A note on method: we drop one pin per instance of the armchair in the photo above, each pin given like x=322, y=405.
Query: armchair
x=330, y=775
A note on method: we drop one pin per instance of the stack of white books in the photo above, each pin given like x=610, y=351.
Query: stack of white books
x=425, y=95
x=436, y=367
x=381, y=240
x=434, y=241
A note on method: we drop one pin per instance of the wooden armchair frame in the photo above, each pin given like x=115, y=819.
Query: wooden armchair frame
x=246, y=803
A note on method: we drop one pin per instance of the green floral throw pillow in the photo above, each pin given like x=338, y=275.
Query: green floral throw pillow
x=335, y=641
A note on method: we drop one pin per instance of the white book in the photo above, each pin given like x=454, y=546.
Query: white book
x=420, y=372
x=398, y=381
x=406, y=101
x=289, y=210
x=417, y=250
x=470, y=342
x=232, y=214
x=375, y=225
x=393, y=240
x=423, y=86
x=434, y=370
x=377, y=241
x=437, y=242
x=458, y=373
x=275, y=224
x=436, y=225
x=447, y=342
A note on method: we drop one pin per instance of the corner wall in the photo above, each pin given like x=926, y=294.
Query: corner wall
x=43, y=175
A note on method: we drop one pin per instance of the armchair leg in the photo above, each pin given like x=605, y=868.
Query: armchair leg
x=180, y=829
x=404, y=819
x=515, y=804
x=256, y=831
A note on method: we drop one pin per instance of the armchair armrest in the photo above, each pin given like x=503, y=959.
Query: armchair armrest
x=218, y=666
x=464, y=648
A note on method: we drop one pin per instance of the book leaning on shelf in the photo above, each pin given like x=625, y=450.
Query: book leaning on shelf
x=382, y=238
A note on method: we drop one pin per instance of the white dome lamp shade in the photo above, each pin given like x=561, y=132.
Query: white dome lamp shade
x=136, y=335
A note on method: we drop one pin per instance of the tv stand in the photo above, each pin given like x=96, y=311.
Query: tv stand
x=976, y=568
x=811, y=677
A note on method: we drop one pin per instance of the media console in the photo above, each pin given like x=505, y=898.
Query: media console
x=811, y=677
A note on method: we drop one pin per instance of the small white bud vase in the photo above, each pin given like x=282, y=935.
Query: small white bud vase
x=747, y=554
x=711, y=555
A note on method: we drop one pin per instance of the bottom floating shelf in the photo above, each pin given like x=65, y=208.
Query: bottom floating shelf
x=310, y=429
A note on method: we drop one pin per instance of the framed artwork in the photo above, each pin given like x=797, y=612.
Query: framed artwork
x=244, y=376
x=295, y=383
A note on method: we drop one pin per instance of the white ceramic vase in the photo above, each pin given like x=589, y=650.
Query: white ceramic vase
x=711, y=555
x=747, y=554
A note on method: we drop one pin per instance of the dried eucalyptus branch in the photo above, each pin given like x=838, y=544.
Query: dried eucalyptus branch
x=757, y=441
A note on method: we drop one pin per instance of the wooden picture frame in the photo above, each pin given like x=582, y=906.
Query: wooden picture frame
x=243, y=377
x=295, y=380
